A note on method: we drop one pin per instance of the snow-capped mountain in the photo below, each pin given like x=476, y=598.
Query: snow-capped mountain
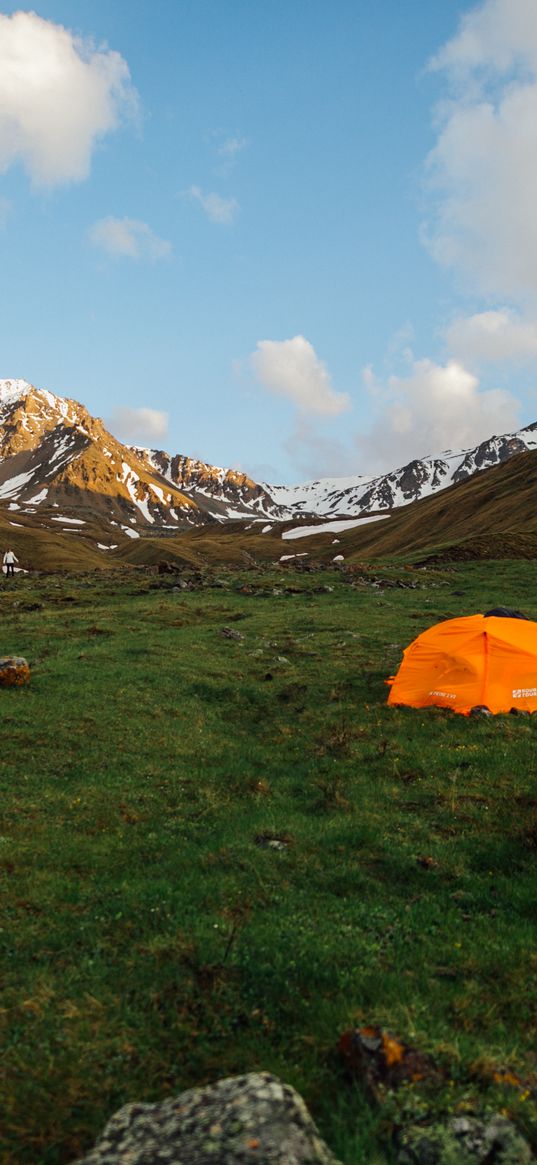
x=54, y=456
x=61, y=469
x=352, y=496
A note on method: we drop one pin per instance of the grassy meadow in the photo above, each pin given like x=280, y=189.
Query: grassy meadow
x=152, y=937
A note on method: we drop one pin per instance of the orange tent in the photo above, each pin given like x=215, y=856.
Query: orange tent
x=476, y=661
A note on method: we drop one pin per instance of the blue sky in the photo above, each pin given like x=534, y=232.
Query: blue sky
x=290, y=236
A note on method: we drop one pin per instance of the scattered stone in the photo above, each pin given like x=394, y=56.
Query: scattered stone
x=244, y=1119
x=273, y=840
x=427, y=862
x=480, y=710
x=492, y=1140
x=14, y=671
x=382, y=1061
x=229, y=633
x=181, y=586
x=338, y=558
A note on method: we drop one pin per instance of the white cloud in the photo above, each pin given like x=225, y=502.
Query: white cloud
x=483, y=169
x=227, y=147
x=58, y=96
x=137, y=426
x=436, y=407
x=218, y=210
x=231, y=146
x=128, y=237
x=492, y=336
x=494, y=34
x=432, y=409
x=291, y=368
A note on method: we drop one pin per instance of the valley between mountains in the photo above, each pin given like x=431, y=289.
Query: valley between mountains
x=73, y=496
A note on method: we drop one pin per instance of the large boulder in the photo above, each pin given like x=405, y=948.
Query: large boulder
x=14, y=671
x=238, y=1121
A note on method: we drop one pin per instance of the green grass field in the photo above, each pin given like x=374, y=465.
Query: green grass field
x=152, y=939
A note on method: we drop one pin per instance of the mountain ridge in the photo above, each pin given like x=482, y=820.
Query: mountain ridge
x=61, y=468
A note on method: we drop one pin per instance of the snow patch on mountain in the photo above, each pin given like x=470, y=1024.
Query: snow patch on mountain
x=71, y=521
x=14, y=484
x=331, y=527
x=13, y=390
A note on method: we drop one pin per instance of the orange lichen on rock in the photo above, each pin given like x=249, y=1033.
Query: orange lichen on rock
x=507, y=1077
x=394, y=1050
x=383, y=1061
x=14, y=671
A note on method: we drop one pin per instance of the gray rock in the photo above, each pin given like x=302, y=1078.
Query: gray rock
x=493, y=1140
x=239, y=1121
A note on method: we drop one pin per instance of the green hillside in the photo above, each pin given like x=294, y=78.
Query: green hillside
x=154, y=937
x=491, y=515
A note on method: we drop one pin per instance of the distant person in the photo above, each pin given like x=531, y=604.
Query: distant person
x=9, y=562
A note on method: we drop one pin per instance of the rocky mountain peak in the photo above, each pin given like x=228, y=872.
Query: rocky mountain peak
x=59, y=464
x=12, y=390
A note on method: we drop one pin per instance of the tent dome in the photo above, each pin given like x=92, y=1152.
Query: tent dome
x=478, y=660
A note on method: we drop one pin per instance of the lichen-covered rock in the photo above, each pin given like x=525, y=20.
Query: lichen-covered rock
x=238, y=1121
x=492, y=1140
x=14, y=671
x=382, y=1061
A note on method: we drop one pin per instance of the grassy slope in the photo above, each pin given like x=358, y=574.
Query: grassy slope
x=149, y=943
x=492, y=514
x=45, y=549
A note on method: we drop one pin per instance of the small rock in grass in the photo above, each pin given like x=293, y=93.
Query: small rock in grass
x=229, y=633
x=14, y=671
x=427, y=862
x=382, y=1061
x=465, y=1140
x=273, y=841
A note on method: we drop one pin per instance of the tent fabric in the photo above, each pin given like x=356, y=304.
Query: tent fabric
x=476, y=661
